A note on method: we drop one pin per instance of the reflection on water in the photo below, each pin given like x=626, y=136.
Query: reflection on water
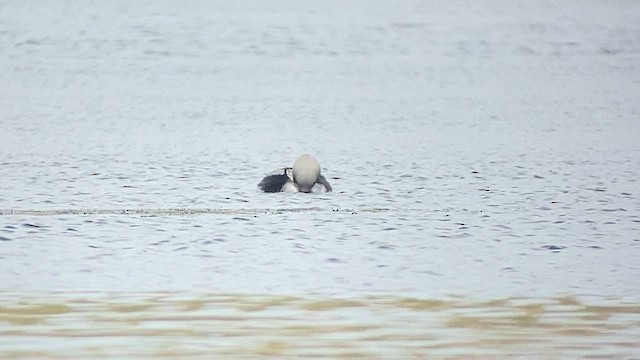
x=205, y=325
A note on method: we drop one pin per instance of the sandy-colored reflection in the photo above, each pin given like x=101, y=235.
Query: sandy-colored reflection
x=205, y=325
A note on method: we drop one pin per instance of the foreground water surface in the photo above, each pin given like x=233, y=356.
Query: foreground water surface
x=484, y=158
x=170, y=325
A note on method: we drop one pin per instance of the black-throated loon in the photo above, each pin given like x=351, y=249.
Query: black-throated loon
x=304, y=176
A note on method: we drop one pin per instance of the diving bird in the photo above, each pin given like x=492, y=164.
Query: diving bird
x=304, y=176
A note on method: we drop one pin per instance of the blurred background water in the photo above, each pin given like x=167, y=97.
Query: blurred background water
x=484, y=158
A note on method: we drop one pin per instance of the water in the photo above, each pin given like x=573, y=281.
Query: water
x=170, y=325
x=484, y=160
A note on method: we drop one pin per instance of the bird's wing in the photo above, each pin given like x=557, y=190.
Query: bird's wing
x=324, y=182
x=275, y=180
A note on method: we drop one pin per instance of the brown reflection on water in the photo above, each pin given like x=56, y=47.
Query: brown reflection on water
x=169, y=325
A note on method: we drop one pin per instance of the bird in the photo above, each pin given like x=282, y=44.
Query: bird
x=304, y=177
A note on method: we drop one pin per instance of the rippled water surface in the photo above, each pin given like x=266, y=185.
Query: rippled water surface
x=484, y=158
x=169, y=325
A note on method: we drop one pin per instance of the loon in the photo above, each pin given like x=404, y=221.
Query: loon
x=304, y=176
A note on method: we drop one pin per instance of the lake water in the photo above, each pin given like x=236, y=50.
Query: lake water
x=484, y=158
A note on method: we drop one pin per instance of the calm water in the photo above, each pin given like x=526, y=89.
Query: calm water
x=484, y=159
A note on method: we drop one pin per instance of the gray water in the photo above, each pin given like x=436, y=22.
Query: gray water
x=480, y=151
